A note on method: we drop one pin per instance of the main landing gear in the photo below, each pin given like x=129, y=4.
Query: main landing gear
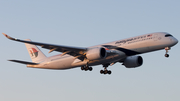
x=86, y=68
x=167, y=48
x=105, y=71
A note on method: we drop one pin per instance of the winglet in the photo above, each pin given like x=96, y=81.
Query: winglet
x=8, y=37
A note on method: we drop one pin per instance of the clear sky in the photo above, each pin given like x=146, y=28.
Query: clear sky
x=85, y=23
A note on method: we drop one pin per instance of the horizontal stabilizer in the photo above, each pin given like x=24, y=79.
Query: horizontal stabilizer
x=24, y=62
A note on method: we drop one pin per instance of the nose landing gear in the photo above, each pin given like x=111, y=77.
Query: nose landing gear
x=167, y=48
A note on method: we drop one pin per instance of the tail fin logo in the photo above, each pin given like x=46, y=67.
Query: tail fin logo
x=33, y=52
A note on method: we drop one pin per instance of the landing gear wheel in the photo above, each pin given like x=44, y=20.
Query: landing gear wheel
x=86, y=68
x=167, y=55
x=101, y=71
x=90, y=68
x=105, y=72
x=109, y=72
x=82, y=68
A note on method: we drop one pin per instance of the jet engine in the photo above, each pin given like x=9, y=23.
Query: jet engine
x=133, y=61
x=96, y=53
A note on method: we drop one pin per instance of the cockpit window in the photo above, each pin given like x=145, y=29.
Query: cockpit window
x=168, y=35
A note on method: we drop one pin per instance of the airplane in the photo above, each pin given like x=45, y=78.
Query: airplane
x=124, y=51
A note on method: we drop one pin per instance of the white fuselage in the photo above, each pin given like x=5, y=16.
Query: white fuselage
x=123, y=48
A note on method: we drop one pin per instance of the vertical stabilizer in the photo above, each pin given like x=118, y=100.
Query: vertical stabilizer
x=35, y=53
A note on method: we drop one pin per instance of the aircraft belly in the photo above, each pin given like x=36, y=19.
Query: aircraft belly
x=64, y=63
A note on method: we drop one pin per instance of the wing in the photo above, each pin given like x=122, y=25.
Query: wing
x=73, y=51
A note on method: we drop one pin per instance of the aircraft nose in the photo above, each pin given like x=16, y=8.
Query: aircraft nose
x=175, y=41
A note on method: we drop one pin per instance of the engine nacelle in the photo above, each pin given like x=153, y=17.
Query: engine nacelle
x=96, y=53
x=133, y=61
